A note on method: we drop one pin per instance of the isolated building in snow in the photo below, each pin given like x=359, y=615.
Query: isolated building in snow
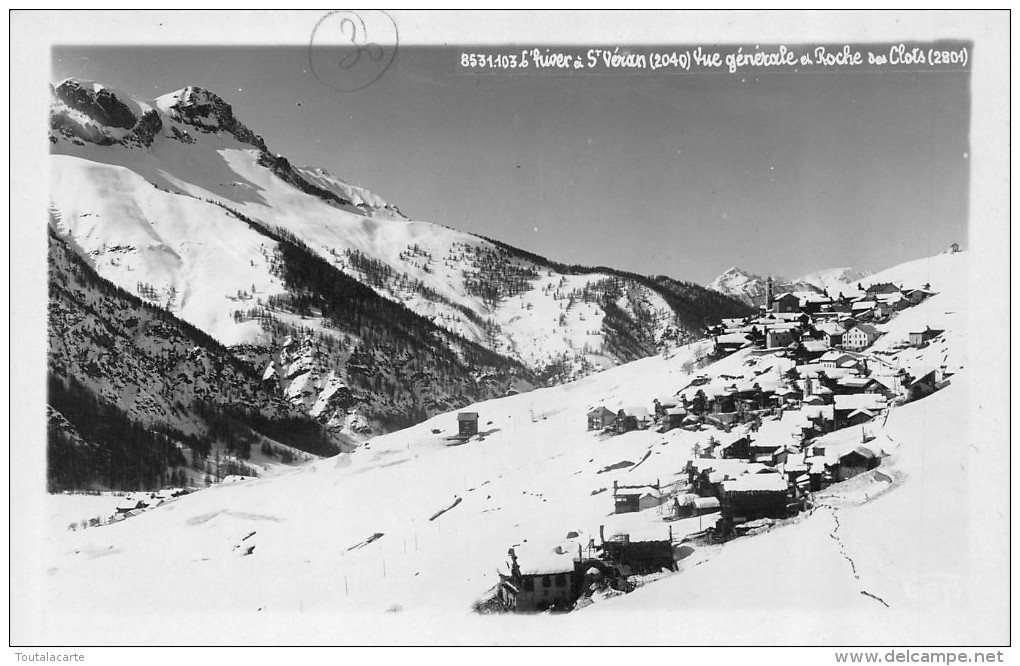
x=918, y=338
x=855, y=462
x=467, y=424
x=535, y=579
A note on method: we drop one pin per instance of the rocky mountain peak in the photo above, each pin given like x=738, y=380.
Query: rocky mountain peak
x=208, y=112
x=96, y=101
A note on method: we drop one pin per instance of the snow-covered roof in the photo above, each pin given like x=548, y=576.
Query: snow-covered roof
x=710, y=390
x=642, y=490
x=636, y=411
x=544, y=559
x=922, y=373
x=794, y=459
x=863, y=450
x=870, y=413
x=818, y=412
x=854, y=382
x=756, y=483
x=863, y=305
x=778, y=431
x=816, y=464
x=808, y=369
x=706, y=503
x=725, y=465
x=859, y=401
x=794, y=418
x=127, y=504
x=731, y=339
x=888, y=381
x=815, y=346
x=467, y=416
x=830, y=328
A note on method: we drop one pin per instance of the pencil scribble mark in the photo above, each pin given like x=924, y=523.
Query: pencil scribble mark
x=349, y=51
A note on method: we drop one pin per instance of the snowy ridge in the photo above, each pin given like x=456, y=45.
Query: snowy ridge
x=751, y=288
x=177, y=201
x=433, y=270
x=834, y=280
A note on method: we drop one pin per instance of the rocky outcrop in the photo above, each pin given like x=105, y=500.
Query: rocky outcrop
x=148, y=127
x=207, y=112
x=101, y=105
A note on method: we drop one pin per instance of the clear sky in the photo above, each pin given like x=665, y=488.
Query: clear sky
x=679, y=175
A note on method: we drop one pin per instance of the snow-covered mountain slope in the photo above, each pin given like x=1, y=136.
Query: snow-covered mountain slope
x=159, y=205
x=536, y=474
x=177, y=201
x=136, y=394
x=896, y=555
x=945, y=271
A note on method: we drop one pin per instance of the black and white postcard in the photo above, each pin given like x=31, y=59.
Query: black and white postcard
x=377, y=328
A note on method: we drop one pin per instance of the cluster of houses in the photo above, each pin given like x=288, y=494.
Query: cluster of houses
x=797, y=419
x=811, y=322
x=132, y=505
x=822, y=342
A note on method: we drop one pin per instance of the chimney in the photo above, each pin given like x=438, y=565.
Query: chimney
x=602, y=534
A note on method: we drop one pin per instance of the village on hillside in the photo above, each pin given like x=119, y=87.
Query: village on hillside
x=788, y=401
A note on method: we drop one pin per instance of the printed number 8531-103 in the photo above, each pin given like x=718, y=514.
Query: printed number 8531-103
x=493, y=61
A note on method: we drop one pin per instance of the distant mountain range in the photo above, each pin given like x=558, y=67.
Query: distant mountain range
x=751, y=288
x=340, y=306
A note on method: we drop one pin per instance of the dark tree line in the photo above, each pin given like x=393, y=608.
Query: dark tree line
x=107, y=341
x=104, y=446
